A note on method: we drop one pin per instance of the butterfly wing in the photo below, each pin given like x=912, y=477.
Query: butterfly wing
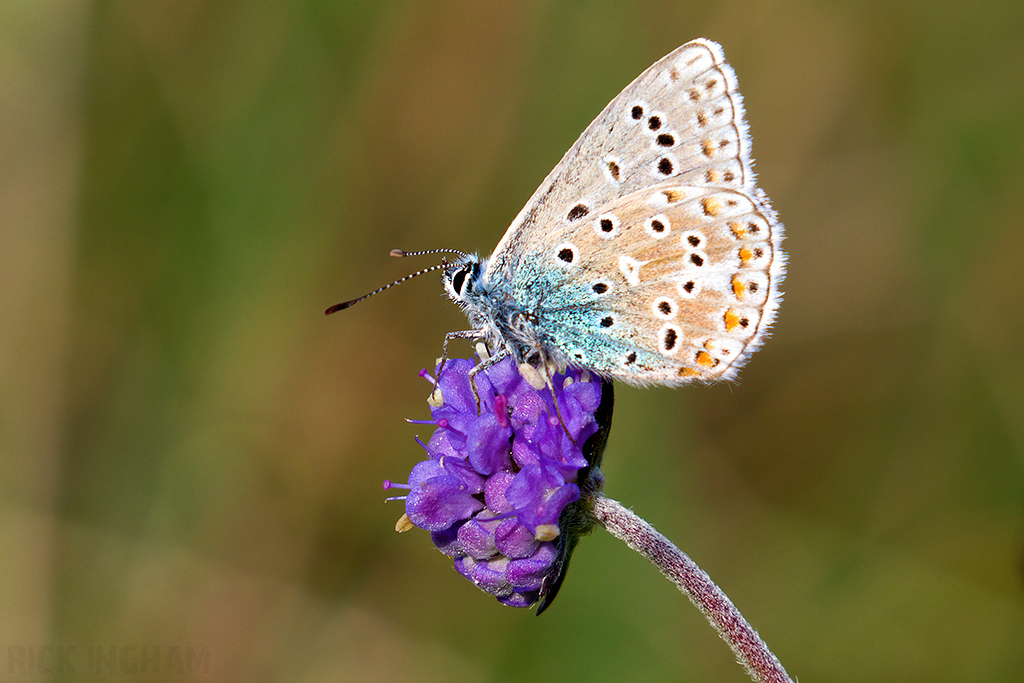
x=682, y=118
x=648, y=254
x=671, y=284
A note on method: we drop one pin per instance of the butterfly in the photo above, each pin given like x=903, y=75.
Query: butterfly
x=648, y=255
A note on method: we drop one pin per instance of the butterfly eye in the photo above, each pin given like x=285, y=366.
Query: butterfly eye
x=458, y=280
x=462, y=283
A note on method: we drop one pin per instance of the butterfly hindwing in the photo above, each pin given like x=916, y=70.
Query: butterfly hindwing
x=671, y=284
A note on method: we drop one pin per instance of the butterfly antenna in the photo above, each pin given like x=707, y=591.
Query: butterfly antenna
x=398, y=253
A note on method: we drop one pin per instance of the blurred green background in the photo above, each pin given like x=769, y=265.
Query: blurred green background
x=191, y=454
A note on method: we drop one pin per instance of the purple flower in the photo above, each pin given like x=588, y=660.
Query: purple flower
x=507, y=489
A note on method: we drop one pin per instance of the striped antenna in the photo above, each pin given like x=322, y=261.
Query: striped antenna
x=398, y=253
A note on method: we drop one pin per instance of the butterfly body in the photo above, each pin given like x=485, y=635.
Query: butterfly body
x=648, y=255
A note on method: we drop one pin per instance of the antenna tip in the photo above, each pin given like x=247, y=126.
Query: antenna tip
x=340, y=307
x=398, y=253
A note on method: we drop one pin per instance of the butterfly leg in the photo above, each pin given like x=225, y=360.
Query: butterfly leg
x=549, y=382
x=486, y=362
x=539, y=372
x=463, y=334
x=493, y=359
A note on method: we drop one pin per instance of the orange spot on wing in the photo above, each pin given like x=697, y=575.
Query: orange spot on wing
x=739, y=288
x=712, y=206
x=704, y=358
x=732, y=320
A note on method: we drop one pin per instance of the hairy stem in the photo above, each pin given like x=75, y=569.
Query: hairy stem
x=678, y=568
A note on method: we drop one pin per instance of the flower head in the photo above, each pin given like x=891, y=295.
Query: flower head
x=509, y=482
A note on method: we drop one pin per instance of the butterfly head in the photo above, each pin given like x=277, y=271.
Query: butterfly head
x=462, y=278
x=466, y=283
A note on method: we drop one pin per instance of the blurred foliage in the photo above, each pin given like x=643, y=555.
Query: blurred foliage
x=190, y=454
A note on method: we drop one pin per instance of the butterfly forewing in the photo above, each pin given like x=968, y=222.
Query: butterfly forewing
x=682, y=118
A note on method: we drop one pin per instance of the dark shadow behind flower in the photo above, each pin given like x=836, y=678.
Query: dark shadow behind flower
x=508, y=490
